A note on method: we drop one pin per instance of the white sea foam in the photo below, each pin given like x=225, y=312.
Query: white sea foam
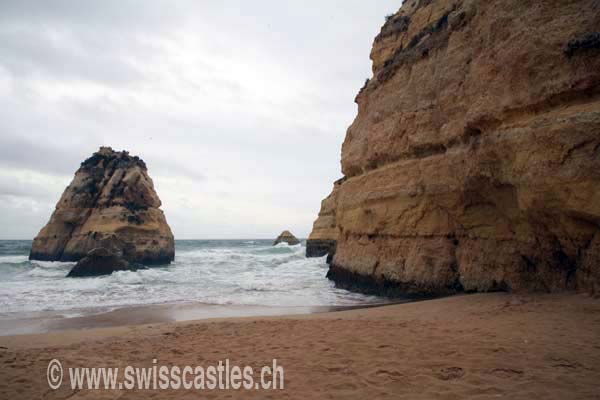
x=212, y=272
x=12, y=260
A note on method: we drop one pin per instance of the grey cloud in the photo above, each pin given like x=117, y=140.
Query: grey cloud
x=19, y=189
x=82, y=40
x=242, y=150
x=106, y=14
x=30, y=51
x=28, y=155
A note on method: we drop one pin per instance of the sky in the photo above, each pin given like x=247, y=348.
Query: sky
x=238, y=108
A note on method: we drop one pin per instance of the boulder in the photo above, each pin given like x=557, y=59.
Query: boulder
x=473, y=163
x=99, y=261
x=110, y=203
x=286, y=237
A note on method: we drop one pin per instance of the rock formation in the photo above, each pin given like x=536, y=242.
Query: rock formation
x=286, y=237
x=322, y=240
x=99, y=262
x=474, y=161
x=110, y=203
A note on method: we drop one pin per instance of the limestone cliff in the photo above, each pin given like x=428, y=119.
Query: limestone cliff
x=323, y=237
x=474, y=161
x=111, y=204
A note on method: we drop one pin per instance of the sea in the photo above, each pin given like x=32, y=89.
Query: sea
x=246, y=274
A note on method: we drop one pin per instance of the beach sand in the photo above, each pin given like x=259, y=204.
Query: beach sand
x=472, y=346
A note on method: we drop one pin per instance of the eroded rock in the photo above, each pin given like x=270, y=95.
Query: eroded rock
x=286, y=237
x=97, y=262
x=111, y=203
x=474, y=161
x=323, y=237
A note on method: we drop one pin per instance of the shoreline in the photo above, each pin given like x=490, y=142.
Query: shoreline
x=56, y=321
x=467, y=346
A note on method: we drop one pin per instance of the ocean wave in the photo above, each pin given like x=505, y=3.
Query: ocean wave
x=209, y=272
x=284, y=244
x=65, y=265
x=45, y=272
x=13, y=259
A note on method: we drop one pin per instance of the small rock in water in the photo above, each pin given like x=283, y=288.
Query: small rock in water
x=99, y=261
x=287, y=237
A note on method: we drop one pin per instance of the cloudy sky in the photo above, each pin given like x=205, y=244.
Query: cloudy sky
x=239, y=108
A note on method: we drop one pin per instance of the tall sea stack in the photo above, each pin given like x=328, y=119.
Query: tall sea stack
x=474, y=161
x=111, y=204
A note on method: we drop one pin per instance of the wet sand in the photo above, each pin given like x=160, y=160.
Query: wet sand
x=50, y=321
x=473, y=346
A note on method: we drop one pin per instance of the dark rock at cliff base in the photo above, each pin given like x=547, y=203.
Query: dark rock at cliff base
x=286, y=237
x=110, y=203
x=321, y=247
x=99, y=261
x=381, y=286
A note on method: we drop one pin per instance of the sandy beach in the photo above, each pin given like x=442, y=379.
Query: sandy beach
x=471, y=346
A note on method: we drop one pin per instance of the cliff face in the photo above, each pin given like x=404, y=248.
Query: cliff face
x=323, y=237
x=110, y=203
x=474, y=161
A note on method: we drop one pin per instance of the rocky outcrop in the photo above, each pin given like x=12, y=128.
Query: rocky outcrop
x=111, y=203
x=474, y=161
x=99, y=262
x=286, y=237
x=323, y=237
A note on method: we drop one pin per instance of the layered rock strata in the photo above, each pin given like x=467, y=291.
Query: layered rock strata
x=323, y=237
x=474, y=161
x=111, y=203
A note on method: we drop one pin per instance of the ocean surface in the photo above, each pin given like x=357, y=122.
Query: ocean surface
x=210, y=272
